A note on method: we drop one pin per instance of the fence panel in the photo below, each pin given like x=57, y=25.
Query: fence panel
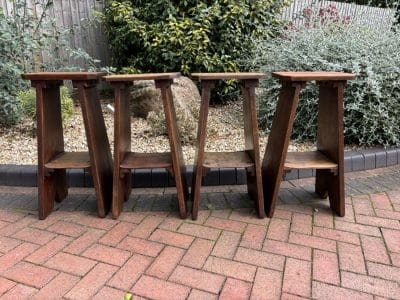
x=75, y=14
x=361, y=14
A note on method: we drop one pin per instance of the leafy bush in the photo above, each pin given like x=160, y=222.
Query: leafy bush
x=13, y=50
x=27, y=101
x=187, y=36
x=25, y=39
x=372, y=101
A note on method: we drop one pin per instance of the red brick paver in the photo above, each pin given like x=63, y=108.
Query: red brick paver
x=84, y=241
x=374, y=249
x=155, y=288
x=267, y=278
x=230, y=268
x=72, y=264
x=20, y=291
x=7, y=244
x=326, y=267
x=5, y=285
x=141, y=246
x=197, y=254
x=201, y=295
x=109, y=293
x=172, y=238
x=58, y=287
x=67, y=228
x=297, y=277
x=90, y=284
x=198, y=279
x=351, y=258
x=259, y=258
x=30, y=274
x=130, y=272
x=235, y=289
x=34, y=236
x=303, y=252
x=227, y=244
x=107, y=254
x=44, y=253
x=253, y=237
x=166, y=262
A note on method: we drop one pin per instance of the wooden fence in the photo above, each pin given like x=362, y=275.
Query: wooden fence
x=361, y=14
x=76, y=13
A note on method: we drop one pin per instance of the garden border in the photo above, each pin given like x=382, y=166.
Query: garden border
x=26, y=175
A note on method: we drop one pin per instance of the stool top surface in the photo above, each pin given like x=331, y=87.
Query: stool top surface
x=145, y=76
x=217, y=76
x=63, y=75
x=309, y=76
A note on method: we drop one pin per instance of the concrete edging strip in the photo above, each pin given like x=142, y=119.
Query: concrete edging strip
x=26, y=175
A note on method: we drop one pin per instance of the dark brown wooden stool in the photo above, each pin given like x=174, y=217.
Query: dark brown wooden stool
x=249, y=158
x=124, y=159
x=328, y=159
x=52, y=159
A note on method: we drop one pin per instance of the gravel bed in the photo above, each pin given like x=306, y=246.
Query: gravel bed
x=224, y=133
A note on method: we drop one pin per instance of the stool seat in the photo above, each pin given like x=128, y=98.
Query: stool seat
x=147, y=76
x=48, y=76
x=227, y=76
x=310, y=76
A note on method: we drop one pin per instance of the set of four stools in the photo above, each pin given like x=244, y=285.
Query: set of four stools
x=263, y=178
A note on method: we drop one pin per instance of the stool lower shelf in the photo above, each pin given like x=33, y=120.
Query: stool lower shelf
x=308, y=160
x=70, y=160
x=135, y=160
x=239, y=159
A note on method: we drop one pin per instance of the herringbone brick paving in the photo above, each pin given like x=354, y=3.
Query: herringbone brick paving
x=228, y=253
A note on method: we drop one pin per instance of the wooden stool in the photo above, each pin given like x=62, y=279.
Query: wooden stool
x=249, y=158
x=124, y=159
x=328, y=159
x=52, y=159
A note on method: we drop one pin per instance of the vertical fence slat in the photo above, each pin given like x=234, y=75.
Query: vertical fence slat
x=4, y=5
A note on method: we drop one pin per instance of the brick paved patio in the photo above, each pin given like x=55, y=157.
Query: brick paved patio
x=303, y=252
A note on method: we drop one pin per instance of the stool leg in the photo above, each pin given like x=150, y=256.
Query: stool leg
x=122, y=145
x=330, y=141
x=52, y=186
x=322, y=179
x=99, y=147
x=206, y=87
x=252, y=146
x=178, y=163
x=278, y=142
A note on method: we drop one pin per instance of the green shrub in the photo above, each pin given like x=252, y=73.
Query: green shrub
x=25, y=37
x=187, y=36
x=27, y=102
x=372, y=101
x=14, y=47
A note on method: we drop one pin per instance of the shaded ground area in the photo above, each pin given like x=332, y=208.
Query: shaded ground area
x=304, y=251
